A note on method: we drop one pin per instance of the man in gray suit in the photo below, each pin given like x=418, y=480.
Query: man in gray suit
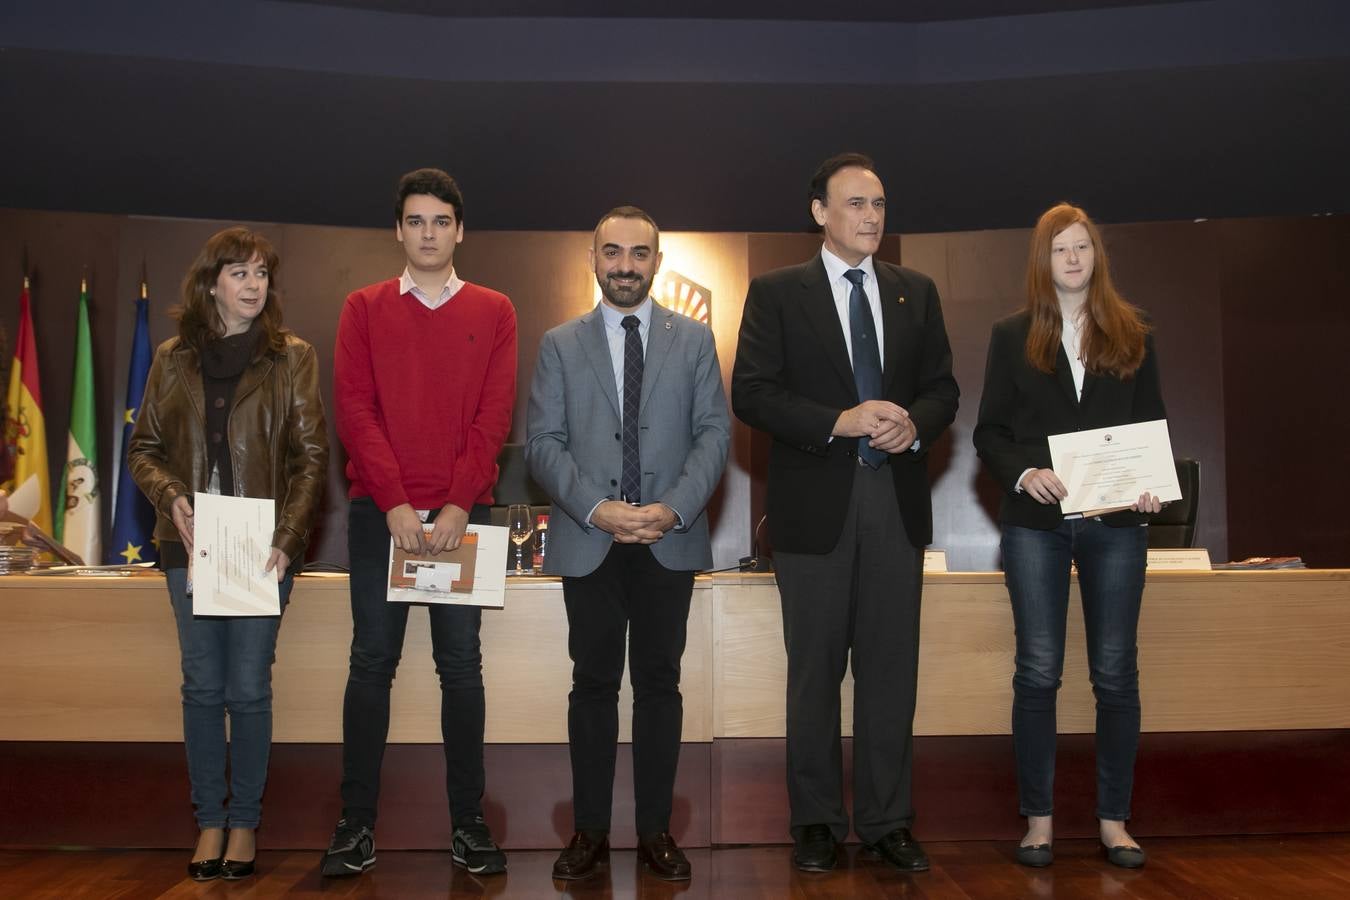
x=628, y=432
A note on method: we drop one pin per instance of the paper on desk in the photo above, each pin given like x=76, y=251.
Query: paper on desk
x=26, y=498
x=232, y=538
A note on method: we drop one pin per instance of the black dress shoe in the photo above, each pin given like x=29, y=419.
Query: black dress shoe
x=666, y=860
x=586, y=852
x=205, y=870
x=233, y=869
x=815, y=850
x=1038, y=856
x=901, y=850
x=1125, y=857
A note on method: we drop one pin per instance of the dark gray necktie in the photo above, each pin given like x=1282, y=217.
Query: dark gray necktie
x=631, y=483
x=866, y=357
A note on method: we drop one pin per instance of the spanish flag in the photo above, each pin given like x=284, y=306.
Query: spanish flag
x=25, y=429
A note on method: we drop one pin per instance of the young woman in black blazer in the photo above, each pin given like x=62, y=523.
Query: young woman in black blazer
x=1077, y=357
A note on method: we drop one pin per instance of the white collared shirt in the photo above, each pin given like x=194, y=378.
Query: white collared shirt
x=841, y=287
x=1071, y=337
x=406, y=285
x=616, y=336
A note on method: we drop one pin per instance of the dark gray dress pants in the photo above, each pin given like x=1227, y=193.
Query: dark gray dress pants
x=858, y=605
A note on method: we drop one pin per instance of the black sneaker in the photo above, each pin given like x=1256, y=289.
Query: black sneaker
x=473, y=848
x=351, y=851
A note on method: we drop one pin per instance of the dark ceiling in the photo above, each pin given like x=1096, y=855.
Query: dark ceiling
x=1134, y=119
x=754, y=10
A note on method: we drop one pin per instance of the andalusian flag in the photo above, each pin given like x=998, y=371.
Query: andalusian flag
x=133, y=516
x=25, y=430
x=79, y=529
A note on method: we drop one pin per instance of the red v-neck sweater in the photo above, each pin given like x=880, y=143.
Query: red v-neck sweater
x=424, y=396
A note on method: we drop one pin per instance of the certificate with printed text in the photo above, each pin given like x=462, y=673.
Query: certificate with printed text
x=1106, y=469
x=232, y=538
x=472, y=574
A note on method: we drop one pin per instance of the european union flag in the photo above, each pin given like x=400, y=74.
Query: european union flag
x=134, y=517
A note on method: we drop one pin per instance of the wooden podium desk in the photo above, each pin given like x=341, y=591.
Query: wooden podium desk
x=95, y=661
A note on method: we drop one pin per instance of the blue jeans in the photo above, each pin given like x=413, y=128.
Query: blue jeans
x=378, y=627
x=1111, y=579
x=227, y=666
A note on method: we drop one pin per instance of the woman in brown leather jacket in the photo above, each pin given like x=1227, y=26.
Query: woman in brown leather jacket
x=231, y=406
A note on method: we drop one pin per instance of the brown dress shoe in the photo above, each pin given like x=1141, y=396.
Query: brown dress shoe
x=666, y=860
x=586, y=852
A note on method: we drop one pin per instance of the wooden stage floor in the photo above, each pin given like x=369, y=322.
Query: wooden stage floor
x=1258, y=867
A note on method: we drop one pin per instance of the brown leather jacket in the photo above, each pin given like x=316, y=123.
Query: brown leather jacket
x=277, y=438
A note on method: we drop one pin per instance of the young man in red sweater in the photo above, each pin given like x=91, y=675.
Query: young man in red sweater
x=424, y=378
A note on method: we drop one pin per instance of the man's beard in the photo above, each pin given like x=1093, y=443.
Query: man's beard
x=621, y=298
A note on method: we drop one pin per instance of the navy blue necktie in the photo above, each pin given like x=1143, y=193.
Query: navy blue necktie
x=631, y=483
x=866, y=357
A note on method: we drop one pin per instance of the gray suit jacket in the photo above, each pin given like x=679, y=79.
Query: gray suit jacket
x=574, y=446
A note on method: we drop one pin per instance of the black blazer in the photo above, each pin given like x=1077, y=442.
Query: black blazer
x=1021, y=406
x=792, y=378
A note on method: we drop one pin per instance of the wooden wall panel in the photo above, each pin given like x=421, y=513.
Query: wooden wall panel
x=99, y=659
x=544, y=273
x=965, y=788
x=136, y=795
x=977, y=275
x=728, y=792
x=1271, y=345
x=1286, y=283
x=57, y=249
x=1218, y=652
x=1170, y=269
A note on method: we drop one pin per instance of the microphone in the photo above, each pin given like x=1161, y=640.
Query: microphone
x=755, y=562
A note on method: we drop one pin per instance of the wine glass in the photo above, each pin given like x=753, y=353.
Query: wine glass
x=518, y=520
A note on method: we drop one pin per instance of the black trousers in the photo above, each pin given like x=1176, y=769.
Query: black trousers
x=857, y=605
x=378, y=627
x=629, y=599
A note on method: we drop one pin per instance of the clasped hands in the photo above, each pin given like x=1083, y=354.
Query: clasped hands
x=889, y=426
x=634, y=524
x=277, y=561
x=447, y=530
x=1044, y=486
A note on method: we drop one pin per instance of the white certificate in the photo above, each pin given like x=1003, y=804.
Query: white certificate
x=1106, y=469
x=471, y=575
x=232, y=538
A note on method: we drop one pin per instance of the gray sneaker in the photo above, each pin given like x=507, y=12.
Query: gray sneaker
x=473, y=848
x=351, y=851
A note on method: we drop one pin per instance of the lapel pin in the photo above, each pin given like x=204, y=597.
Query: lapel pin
x=900, y=299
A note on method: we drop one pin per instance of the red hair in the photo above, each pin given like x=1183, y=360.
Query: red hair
x=1113, y=328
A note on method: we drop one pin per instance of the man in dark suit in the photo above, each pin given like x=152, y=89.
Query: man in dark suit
x=844, y=360
x=628, y=432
